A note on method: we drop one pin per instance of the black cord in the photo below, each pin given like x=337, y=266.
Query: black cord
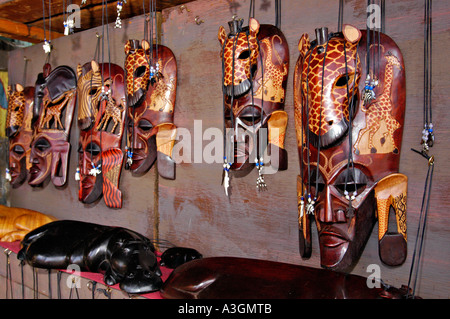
x=320, y=123
x=421, y=229
x=340, y=15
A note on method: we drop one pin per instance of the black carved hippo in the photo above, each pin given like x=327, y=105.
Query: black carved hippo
x=122, y=255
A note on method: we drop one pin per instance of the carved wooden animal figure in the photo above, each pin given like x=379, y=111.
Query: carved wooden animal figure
x=160, y=97
x=16, y=222
x=54, y=111
x=125, y=257
x=273, y=75
x=112, y=112
x=381, y=110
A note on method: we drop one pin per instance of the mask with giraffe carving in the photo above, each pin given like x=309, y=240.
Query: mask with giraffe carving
x=54, y=105
x=255, y=61
x=349, y=146
x=151, y=78
x=19, y=131
x=101, y=119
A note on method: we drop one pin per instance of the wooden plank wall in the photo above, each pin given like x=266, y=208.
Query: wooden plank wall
x=193, y=210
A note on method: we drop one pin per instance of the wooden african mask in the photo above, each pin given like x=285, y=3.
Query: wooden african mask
x=19, y=131
x=101, y=118
x=55, y=98
x=255, y=62
x=151, y=77
x=349, y=135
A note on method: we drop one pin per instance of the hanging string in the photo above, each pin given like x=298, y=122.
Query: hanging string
x=50, y=284
x=320, y=126
x=340, y=15
x=421, y=228
x=428, y=128
x=260, y=181
x=226, y=155
x=306, y=146
x=21, y=263
x=427, y=141
x=47, y=43
x=8, y=275
x=350, y=162
x=35, y=284
x=251, y=11
x=278, y=13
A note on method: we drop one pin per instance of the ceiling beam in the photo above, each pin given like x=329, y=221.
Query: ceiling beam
x=20, y=31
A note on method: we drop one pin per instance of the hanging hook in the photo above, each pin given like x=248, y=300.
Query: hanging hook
x=184, y=7
x=198, y=21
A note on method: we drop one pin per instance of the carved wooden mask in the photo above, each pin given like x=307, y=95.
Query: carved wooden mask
x=255, y=63
x=349, y=151
x=55, y=98
x=151, y=92
x=101, y=117
x=19, y=131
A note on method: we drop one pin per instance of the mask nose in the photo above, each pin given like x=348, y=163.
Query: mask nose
x=33, y=158
x=330, y=211
x=137, y=142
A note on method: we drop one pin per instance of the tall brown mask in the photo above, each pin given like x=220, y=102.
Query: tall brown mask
x=101, y=117
x=19, y=131
x=255, y=70
x=55, y=97
x=349, y=151
x=151, y=101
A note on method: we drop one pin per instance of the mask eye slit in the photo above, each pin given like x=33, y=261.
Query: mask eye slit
x=244, y=55
x=140, y=71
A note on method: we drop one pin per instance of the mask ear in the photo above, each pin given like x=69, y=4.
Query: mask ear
x=95, y=66
x=127, y=47
x=79, y=70
x=351, y=33
x=391, y=192
x=304, y=45
x=145, y=45
x=222, y=35
x=59, y=165
x=254, y=26
x=277, y=124
x=165, y=140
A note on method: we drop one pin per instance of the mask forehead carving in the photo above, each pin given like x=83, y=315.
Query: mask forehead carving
x=255, y=68
x=239, y=53
x=55, y=98
x=89, y=86
x=151, y=132
x=349, y=146
x=330, y=69
x=100, y=155
x=19, y=131
x=137, y=70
